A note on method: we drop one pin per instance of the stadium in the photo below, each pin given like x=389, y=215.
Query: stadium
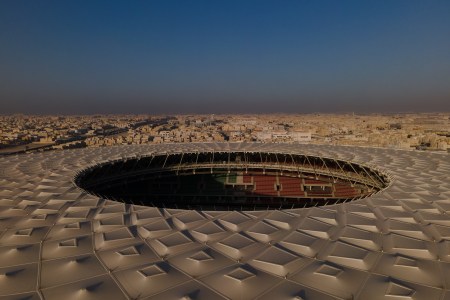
x=225, y=221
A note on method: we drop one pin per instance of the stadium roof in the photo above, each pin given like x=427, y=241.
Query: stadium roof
x=59, y=242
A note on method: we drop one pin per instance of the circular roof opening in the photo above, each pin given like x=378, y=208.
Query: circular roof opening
x=231, y=180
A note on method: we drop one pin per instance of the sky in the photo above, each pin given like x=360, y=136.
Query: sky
x=234, y=56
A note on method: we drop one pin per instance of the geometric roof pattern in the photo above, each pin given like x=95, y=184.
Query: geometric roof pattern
x=59, y=242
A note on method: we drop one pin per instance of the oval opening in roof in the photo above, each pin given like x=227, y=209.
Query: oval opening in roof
x=231, y=180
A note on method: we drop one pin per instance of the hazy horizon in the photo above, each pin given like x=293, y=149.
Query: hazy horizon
x=234, y=57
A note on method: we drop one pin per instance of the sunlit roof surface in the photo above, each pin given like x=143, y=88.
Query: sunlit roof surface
x=59, y=242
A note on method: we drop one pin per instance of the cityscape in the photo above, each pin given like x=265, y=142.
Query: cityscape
x=427, y=132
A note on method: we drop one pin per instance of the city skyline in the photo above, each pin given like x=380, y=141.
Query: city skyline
x=174, y=57
x=24, y=133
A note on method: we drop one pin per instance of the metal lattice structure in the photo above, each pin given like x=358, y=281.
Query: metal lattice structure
x=59, y=242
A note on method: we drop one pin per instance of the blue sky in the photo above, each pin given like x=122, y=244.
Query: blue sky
x=224, y=56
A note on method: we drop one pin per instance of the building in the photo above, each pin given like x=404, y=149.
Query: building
x=300, y=136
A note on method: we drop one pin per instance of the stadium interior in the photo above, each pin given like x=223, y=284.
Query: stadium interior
x=231, y=180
